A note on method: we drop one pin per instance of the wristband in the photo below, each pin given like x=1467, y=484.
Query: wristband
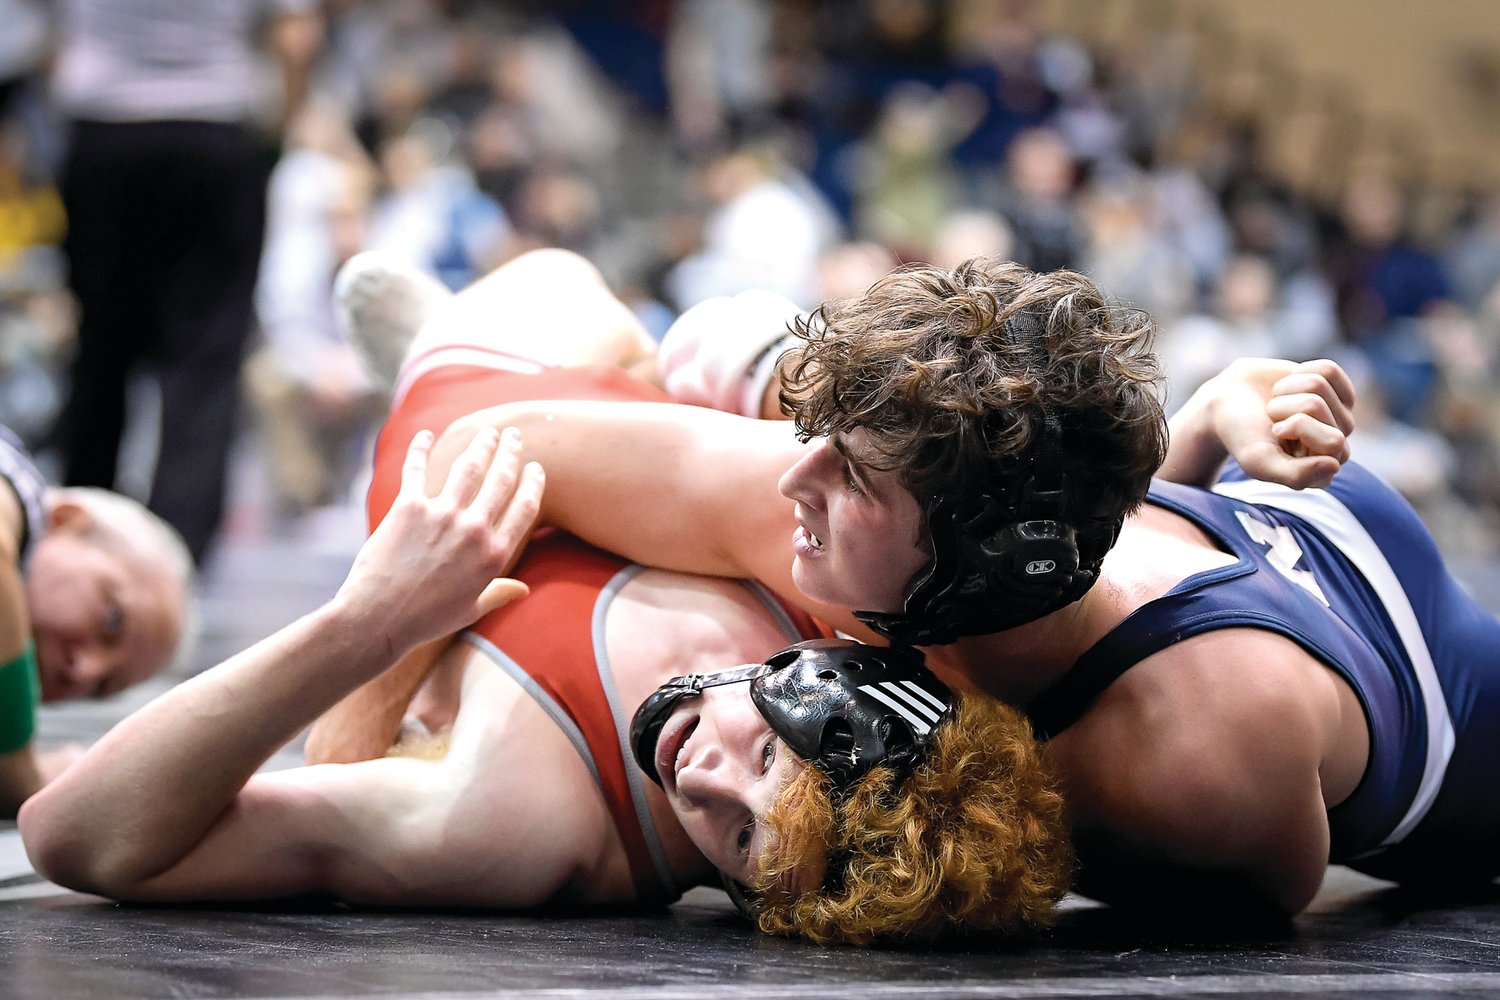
x=20, y=693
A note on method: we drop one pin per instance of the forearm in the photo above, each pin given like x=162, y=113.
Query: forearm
x=296, y=38
x=20, y=778
x=364, y=724
x=1195, y=452
x=677, y=487
x=144, y=796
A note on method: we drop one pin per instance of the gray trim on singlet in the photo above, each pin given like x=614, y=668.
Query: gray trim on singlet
x=633, y=775
x=554, y=711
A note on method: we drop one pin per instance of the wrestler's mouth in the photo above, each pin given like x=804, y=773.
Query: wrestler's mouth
x=804, y=540
x=669, y=750
x=805, y=544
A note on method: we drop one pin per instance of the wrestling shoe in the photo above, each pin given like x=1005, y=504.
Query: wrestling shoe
x=382, y=302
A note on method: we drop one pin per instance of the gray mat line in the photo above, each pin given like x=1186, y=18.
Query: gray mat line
x=1080, y=986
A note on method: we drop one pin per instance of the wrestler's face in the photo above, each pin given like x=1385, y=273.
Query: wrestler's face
x=721, y=766
x=858, y=540
x=100, y=621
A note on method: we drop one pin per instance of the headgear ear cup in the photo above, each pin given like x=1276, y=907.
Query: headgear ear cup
x=1006, y=556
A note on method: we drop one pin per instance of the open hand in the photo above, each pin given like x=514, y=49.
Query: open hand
x=434, y=564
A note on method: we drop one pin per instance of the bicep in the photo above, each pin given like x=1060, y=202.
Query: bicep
x=1224, y=783
x=391, y=831
x=676, y=487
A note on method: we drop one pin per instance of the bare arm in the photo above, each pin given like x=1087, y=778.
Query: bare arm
x=365, y=722
x=676, y=487
x=1207, y=794
x=20, y=774
x=1283, y=422
x=147, y=794
x=295, y=39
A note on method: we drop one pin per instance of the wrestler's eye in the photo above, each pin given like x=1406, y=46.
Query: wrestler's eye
x=851, y=481
x=113, y=625
x=767, y=756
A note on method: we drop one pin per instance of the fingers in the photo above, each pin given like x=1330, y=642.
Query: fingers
x=1301, y=434
x=1287, y=464
x=520, y=513
x=414, y=469
x=1319, y=388
x=1333, y=373
x=500, y=478
x=470, y=468
x=498, y=594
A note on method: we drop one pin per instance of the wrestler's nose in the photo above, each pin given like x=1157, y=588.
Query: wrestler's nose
x=799, y=483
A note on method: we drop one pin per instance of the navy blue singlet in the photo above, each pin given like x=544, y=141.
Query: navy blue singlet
x=1352, y=575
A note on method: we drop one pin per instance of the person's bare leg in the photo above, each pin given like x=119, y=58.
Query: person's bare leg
x=551, y=307
x=546, y=308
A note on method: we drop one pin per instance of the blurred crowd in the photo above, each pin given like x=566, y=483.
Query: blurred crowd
x=700, y=147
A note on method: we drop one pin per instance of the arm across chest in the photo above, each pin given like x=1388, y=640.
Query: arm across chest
x=1208, y=759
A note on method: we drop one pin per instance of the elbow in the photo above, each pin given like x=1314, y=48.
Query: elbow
x=62, y=851
x=56, y=852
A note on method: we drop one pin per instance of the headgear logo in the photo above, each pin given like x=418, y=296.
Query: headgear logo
x=1039, y=566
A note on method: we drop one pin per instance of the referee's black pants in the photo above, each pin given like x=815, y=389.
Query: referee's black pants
x=165, y=224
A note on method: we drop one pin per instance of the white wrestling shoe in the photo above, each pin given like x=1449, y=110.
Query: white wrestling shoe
x=382, y=302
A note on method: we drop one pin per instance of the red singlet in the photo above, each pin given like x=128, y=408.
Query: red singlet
x=552, y=643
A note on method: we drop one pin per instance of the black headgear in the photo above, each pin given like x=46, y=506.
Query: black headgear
x=843, y=706
x=1002, y=555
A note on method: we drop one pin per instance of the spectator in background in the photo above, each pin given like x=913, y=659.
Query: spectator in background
x=431, y=212
x=718, y=68
x=907, y=183
x=22, y=45
x=1385, y=286
x=1004, y=65
x=1474, y=259
x=165, y=191
x=767, y=229
x=849, y=269
x=1127, y=254
x=311, y=393
x=1241, y=325
x=1037, y=199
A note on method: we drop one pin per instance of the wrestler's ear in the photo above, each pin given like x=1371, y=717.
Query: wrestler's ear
x=69, y=516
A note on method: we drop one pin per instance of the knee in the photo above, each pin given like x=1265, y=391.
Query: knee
x=555, y=266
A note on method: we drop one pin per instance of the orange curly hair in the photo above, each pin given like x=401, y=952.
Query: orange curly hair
x=974, y=840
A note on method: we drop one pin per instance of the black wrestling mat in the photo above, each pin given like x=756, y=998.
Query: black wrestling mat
x=1360, y=937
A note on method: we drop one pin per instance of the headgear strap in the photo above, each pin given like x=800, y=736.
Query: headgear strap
x=1003, y=554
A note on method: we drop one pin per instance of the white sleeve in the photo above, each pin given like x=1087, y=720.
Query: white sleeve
x=722, y=353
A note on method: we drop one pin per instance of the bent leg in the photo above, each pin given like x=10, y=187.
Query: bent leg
x=551, y=307
x=545, y=309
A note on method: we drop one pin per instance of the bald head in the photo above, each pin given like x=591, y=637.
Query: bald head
x=109, y=588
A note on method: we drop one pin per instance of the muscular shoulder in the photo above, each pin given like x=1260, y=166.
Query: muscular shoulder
x=1206, y=756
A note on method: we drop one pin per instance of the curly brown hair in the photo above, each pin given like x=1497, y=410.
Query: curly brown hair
x=922, y=362
x=974, y=840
